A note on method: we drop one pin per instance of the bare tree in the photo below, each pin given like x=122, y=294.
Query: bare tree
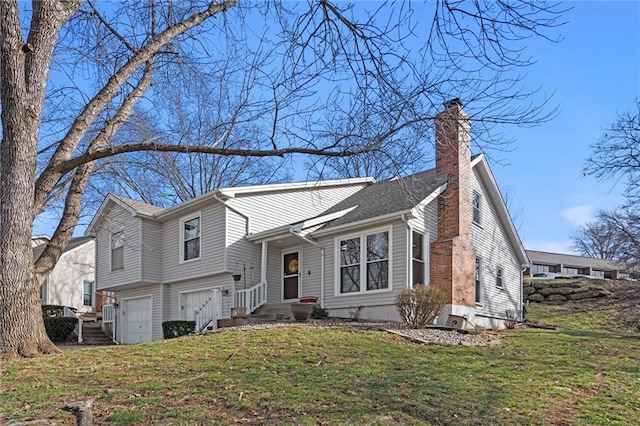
x=614, y=235
x=316, y=78
x=598, y=239
x=617, y=154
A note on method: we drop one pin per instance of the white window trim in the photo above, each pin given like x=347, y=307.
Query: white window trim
x=283, y=253
x=197, y=215
x=479, y=221
x=425, y=255
x=111, y=251
x=501, y=286
x=362, y=235
x=92, y=295
x=480, y=297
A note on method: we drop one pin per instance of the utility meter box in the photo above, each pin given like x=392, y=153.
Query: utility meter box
x=455, y=321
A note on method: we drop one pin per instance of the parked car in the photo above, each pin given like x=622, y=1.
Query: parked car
x=544, y=276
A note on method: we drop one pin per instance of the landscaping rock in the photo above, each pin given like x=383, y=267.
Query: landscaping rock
x=551, y=291
x=592, y=294
x=536, y=298
x=557, y=298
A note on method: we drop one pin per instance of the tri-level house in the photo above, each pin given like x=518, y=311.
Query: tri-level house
x=353, y=242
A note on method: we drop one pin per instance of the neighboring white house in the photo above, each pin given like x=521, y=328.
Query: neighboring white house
x=349, y=243
x=71, y=283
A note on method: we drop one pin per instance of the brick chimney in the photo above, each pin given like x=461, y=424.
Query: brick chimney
x=452, y=254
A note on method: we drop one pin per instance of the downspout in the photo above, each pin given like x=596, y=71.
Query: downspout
x=523, y=268
x=408, y=281
x=310, y=241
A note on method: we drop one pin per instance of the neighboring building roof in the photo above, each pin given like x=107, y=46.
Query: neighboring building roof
x=387, y=197
x=75, y=242
x=546, y=258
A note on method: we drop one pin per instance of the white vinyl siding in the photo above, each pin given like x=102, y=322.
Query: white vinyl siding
x=65, y=284
x=151, y=251
x=118, y=220
x=212, y=243
x=299, y=205
x=493, y=246
x=240, y=253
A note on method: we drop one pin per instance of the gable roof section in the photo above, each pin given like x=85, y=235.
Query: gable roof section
x=479, y=162
x=74, y=243
x=388, y=197
x=136, y=208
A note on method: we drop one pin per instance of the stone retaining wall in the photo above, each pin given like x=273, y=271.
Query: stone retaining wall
x=559, y=292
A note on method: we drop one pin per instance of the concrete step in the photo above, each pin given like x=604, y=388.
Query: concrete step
x=92, y=334
x=240, y=321
x=282, y=311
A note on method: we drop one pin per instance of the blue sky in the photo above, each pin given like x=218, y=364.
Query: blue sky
x=595, y=74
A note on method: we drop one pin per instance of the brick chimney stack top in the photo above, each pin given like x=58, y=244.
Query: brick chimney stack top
x=453, y=102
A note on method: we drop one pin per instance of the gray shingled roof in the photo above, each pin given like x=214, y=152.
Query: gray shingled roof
x=75, y=242
x=545, y=258
x=386, y=197
x=139, y=206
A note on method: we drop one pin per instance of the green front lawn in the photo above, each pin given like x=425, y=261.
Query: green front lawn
x=308, y=375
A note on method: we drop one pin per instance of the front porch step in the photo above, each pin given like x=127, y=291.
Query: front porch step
x=269, y=312
x=279, y=312
x=93, y=335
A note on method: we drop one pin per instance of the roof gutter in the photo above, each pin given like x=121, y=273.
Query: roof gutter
x=293, y=232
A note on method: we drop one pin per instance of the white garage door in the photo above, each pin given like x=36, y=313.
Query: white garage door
x=136, y=320
x=202, y=306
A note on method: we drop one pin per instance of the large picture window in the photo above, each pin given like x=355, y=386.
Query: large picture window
x=191, y=238
x=364, y=263
x=117, y=251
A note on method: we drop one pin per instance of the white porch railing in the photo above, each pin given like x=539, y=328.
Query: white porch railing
x=207, y=313
x=252, y=298
x=68, y=312
x=109, y=317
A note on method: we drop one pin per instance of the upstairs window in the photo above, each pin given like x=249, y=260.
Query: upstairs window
x=191, y=238
x=499, y=277
x=475, y=205
x=417, y=258
x=117, y=251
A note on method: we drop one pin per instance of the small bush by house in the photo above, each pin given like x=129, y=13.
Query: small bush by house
x=318, y=312
x=60, y=329
x=420, y=305
x=173, y=329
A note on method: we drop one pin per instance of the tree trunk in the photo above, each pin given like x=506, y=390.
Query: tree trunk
x=24, y=70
